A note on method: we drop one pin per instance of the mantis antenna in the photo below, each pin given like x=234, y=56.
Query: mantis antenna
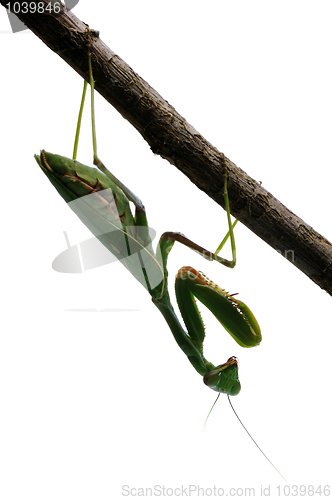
x=260, y=449
x=244, y=427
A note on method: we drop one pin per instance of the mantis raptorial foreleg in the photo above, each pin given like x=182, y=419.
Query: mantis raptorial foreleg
x=102, y=203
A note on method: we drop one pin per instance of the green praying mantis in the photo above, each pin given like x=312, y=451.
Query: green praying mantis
x=102, y=202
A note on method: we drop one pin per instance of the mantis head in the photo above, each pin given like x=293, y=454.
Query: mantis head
x=224, y=378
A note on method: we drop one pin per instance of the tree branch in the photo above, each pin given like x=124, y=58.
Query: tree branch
x=173, y=138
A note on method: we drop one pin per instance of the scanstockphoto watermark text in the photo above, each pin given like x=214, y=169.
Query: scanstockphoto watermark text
x=288, y=254
x=33, y=7
x=185, y=491
x=193, y=489
x=14, y=9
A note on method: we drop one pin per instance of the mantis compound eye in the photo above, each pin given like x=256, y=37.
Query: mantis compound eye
x=224, y=378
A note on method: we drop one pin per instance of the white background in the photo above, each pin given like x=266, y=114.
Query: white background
x=92, y=401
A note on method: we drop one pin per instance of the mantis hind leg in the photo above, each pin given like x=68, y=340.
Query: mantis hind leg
x=173, y=236
x=140, y=210
x=230, y=225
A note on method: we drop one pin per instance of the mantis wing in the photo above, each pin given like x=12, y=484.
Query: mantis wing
x=104, y=209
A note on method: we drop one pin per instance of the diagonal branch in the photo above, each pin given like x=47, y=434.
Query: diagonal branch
x=173, y=138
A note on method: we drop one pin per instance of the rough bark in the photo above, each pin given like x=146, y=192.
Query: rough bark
x=173, y=138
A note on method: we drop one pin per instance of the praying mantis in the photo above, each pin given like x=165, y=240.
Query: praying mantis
x=102, y=202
